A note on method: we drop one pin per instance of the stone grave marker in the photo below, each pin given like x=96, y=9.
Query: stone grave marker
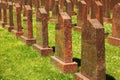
x=115, y=38
x=99, y=11
x=42, y=44
x=4, y=22
x=28, y=28
x=10, y=14
x=0, y=10
x=55, y=10
x=106, y=10
x=81, y=14
x=93, y=52
x=17, y=20
x=68, y=5
x=63, y=45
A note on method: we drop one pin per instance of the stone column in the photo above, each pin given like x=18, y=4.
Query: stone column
x=11, y=24
x=106, y=10
x=4, y=13
x=115, y=38
x=82, y=6
x=17, y=21
x=68, y=5
x=28, y=29
x=99, y=11
x=93, y=52
x=63, y=45
x=55, y=11
x=42, y=33
x=0, y=10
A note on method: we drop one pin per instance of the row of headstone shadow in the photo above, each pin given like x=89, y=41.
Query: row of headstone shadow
x=90, y=18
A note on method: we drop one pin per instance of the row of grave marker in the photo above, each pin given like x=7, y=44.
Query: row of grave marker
x=93, y=44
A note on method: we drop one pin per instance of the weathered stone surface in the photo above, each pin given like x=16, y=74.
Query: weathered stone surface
x=82, y=11
x=4, y=13
x=0, y=10
x=11, y=24
x=113, y=3
x=55, y=10
x=69, y=7
x=28, y=30
x=115, y=38
x=99, y=11
x=93, y=52
x=17, y=20
x=106, y=5
x=42, y=33
x=63, y=55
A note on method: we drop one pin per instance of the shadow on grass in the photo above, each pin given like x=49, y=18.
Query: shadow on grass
x=78, y=61
x=109, y=77
x=53, y=47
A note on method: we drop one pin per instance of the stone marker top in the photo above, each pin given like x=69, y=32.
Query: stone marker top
x=68, y=1
x=42, y=11
x=119, y=4
x=98, y=3
x=9, y=3
x=65, y=16
x=95, y=23
x=83, y=2
x=17, y=5
x=28, y=7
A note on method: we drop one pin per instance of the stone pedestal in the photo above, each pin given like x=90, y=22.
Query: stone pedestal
x=42, y=33
x=28, y=28
x=63, y=46
x=115, y=38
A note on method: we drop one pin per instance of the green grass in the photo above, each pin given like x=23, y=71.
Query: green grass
x=21, y=62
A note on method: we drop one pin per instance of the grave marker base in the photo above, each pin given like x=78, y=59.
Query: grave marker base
x=43, y=51
x=114, y=41
x=28, y=41
x=77, y=28
x=79, y=76
x=9, y=28
x=64, y=67
x=3, y=24
x=17, y=33
x=109, y=20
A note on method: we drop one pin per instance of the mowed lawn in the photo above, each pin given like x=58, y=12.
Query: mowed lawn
x=21, y=62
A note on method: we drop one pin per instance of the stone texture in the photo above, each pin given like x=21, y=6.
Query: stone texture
x=11, y=24
x=93, y=52
x=99, y=11
x=69, y=7
x=28, y=29
x=42, y=33
x=55, y=10
x=82, y=10
x=115, y=38
x=17, y=21
x=0, y=14
x=113, y=3
x=63, y=45
x=4, y=13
